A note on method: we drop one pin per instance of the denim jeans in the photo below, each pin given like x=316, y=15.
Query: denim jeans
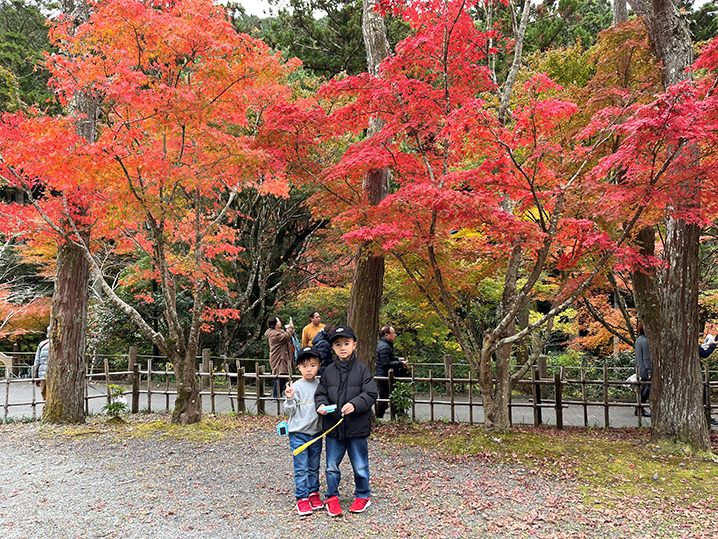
x=358, y=450
x=306, y=464
x=278, y=390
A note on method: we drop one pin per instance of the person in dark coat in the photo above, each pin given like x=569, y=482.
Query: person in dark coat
x=348, y=384
x=645, y=369
x=385, y=361
x=324, y=347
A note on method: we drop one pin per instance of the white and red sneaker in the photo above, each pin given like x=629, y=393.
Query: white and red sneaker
x=360, y=505
x=303, y=507
x=333, y=507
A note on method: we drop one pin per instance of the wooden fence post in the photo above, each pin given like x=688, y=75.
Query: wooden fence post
x=107, y=381
x=536, y=390
x=471, y=399
x=605, y=395
x=205, y=367
x=211, y=385
x=131, y=358
x=448, y=366
x=451, y=392
x=413, y=395
x=149, y=385
x=260, y=388
x=583, y=396
x=431, y=394
x=241, y=407
x=225, y=367
x=559, y=400
x=391, y=388
x=135, y=388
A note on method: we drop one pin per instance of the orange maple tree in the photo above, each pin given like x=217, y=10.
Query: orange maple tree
x=182, y=97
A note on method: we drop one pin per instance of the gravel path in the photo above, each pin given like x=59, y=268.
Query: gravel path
x=99, y=481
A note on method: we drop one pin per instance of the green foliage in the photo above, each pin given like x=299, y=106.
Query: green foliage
x=326, y=35
x=422, y=336
x=331, y=302
x=401, y=397
x=23, y=41
x=704, y=23
x=562, y=23
x=116, y=406
x=568, y=66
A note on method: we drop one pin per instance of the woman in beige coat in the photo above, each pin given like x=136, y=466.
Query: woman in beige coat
x=281, y=356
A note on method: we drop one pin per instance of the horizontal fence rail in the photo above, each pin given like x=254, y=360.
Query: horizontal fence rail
x=246, y=385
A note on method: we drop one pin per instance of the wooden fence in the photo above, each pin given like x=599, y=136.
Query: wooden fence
x=244, y=388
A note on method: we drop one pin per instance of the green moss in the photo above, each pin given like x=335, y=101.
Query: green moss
x=207, y=430
x=622, y=462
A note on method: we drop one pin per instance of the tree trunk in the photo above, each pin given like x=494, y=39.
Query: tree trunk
x=368, y=281
x=365, y=302
x=676, y=388
x=620, y=12
x=496, y=412
x=676, y=385
x=68, y=333
x=188, y=404
x=68, y=317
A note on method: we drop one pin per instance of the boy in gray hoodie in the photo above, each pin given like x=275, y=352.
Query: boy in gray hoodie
x=304, y=425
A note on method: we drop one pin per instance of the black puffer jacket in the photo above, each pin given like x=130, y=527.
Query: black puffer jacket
x=385, y=359
x=343, y=382
x=321, y=343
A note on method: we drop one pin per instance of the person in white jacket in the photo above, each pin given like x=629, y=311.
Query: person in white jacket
x=39, y=368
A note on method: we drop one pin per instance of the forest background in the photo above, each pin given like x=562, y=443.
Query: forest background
x=293, y=242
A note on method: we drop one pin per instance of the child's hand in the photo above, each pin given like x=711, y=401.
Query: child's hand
x=321, y=410
x=348, y=408
x=289, y=390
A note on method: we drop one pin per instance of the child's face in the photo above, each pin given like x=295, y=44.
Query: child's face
x=309, y=369
x=344, y=347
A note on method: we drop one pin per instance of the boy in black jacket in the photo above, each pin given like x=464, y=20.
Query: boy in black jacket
x=347, y=383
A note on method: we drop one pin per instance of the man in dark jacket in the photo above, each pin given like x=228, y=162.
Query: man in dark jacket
x=348, y=384
x=324, y=347
x=385, y=361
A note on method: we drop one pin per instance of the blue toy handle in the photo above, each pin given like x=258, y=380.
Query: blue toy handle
x=283, y=429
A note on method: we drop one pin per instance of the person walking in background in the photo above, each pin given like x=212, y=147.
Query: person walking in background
x=385, y=360
x=281, y=355
x=39, y=368
x=704, y=352
x=310, y=330
x=645, y=370
x=324, y=347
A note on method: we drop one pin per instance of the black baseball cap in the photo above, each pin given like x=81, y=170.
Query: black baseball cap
x=342, y=331
x=308, y=351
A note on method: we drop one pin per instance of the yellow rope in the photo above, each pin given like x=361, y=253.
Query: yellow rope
x=310, y=442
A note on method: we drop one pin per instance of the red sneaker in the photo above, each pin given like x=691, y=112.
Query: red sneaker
x=333, y=507
x=315, y=501
x=360, y=505
x=303, y=507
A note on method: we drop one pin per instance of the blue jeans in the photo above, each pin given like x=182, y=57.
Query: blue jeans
x=278, y=390
x=358, y=450
x=306, y=464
